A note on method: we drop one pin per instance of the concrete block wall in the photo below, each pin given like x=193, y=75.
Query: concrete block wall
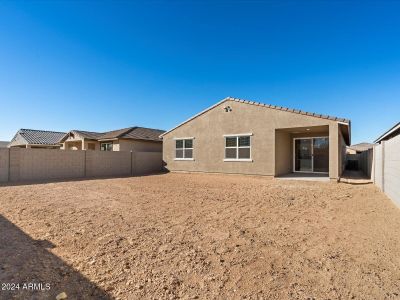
x=392, y=169
x=378, y=166
x=108, y=163
x=365, y=160
x=146, y=162
x=19, y=164
x=386, y=169
x=4, y=164
x=44, y=164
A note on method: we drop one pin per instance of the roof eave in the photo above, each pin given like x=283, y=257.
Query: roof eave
x=391, y=130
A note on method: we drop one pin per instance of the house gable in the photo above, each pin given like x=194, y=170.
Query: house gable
x=261, y=105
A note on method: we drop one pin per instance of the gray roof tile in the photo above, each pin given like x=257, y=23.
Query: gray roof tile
x=40, y=137
x=138, y=133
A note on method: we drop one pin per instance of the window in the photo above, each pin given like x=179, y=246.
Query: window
x=184, y=149
x=237, y=148
x=106, y=146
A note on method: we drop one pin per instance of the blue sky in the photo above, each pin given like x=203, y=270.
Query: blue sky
x=105, y=65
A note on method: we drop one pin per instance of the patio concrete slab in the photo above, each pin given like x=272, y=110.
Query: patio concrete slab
x=304, y=176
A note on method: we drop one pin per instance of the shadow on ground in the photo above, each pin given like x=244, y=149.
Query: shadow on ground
x=26, y=261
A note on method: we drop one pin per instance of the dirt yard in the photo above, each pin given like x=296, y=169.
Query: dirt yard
x=199, y=236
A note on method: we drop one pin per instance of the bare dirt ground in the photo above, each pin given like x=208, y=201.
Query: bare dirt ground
x=200, y=236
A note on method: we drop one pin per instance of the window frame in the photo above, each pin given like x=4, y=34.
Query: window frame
x=237, y=147
x=184, y=148
x=111, y=143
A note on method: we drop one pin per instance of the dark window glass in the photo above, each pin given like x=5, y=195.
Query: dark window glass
x=188, y=143
x=179, y=153
x=244, y=141
x=106, y=147
x=188, y=153
x=179, y=144
x=230, y=141
x=230, y=153
x=244, y=153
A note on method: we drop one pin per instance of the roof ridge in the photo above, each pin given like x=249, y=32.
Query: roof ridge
x=40, y=130
x=149, y=128
x=129, y=129
x=298, y=111
x=77, y=130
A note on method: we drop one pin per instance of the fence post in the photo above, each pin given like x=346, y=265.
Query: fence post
x=9, y=165
x=84, y=164
x=131, y=163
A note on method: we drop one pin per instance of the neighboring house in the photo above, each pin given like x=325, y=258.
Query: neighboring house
x=31, y=138
x=358, y=148
x=127, y=139
x=245, y=137
x=4, y=144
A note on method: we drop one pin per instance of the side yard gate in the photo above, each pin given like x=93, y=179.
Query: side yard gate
x=19, y=164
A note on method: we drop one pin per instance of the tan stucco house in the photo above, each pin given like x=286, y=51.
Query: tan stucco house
x=246, y=137
x=127, y=139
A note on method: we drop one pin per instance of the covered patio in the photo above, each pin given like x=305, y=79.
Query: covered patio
x=314, y=152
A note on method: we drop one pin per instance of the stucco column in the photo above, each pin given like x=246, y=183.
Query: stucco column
x=333, y=151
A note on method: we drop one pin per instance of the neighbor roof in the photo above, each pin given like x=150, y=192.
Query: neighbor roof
x=361, y=146
x=296, y=111
x=85, y=134
x=39, y=137
x=142, y=133
x=136, y=132
x=392, y=132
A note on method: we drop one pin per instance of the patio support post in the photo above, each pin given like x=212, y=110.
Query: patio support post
x=334, y=151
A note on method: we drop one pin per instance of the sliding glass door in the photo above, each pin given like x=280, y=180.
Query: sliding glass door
x=321, y=155
x=311, y=154
x=303, y=155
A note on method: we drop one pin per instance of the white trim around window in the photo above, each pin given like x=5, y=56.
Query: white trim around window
x=184, y=148
x=106, y=146
x=185, y=138
x=237, y=148
x=238, y=134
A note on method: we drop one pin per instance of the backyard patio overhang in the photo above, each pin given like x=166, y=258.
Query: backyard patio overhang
x=303, y=150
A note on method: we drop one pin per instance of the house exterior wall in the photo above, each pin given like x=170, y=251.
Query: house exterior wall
x=283, y=153
x=87, y=142
x=118, y=145
x=72, y=145
x=140, y=146
x=342, y=153
x=18, y=141
x=209, y=128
